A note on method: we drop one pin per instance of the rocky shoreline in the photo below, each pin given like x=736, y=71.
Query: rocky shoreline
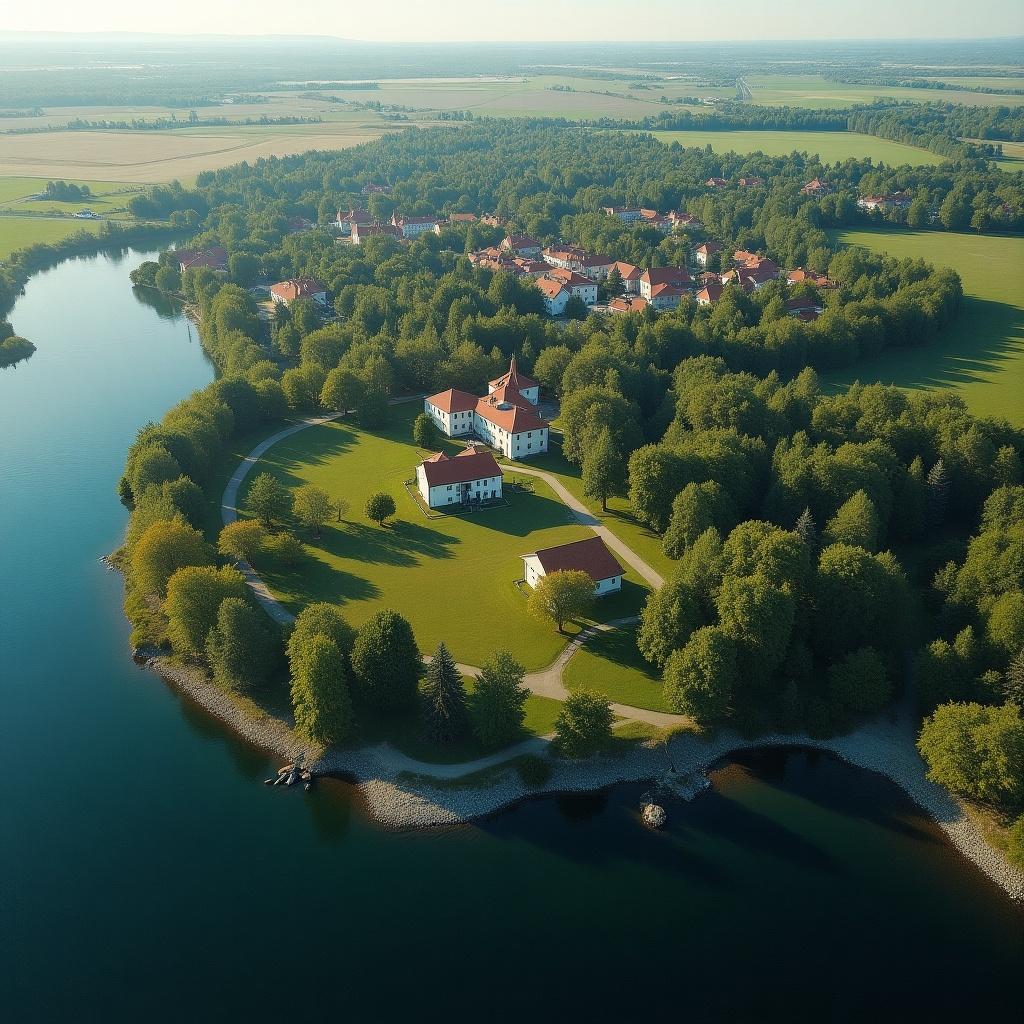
x=403, y=799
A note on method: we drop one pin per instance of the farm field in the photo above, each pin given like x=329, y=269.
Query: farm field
x=452, y=576
x=19, y=232
x=815, y=91
x=832, y=147
x=982, y=355
x=1008, y=81
x=154, y=156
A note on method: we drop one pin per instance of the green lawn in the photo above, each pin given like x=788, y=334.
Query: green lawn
x=14, y=187
x=609, y=663
x=453, y=577
x=19, y=232
x=832, y=147
x=982, y=354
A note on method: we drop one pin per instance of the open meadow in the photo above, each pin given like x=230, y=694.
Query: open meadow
x=832, y=147
x=19, y=232
x=453, y=576
x=982, y=354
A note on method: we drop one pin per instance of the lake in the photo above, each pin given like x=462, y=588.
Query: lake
x=147, y=874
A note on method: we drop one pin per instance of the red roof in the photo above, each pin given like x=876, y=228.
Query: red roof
x=356, y=216
x=549, y=286
x=677, y=277
x=503, y=413
x=589, y=556
x=461, y=218
x=453, y=401
x=513, y=378
x=520, y=242
x=633, y=304
x=711, y=292
x=297, y=288
x=216, y=258
x=569, y=277
x=709, y=248
x=471, y=464
x=627, y=271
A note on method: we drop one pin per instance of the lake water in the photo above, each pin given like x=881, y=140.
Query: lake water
x=146, y=874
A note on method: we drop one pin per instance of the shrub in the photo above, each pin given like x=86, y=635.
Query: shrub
x=534, y=771
x=584, y=724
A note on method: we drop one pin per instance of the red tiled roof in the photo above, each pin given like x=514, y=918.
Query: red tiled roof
x=568, y=277
x=453, y=401
x=589, y=556
x=297, y=288
x=549, y=286
x=461, y=218
x=216, y=258
x=633, y=304
x=627, y=271
x=678, y=277
x=513, y=378
x=356, y=216
x=711, y=292
x=471, y=464
x=519, y=242
x=512, y=418
x=709, y=248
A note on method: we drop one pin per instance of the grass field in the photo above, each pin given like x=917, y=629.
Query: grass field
x=982, y=354
x=453, y=577
x=832, y=147
x=18, y=232
x=610, y=664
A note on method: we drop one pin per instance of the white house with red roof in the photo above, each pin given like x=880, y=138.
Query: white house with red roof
x=472, y=476
x=521, y=245
x=347, y=219
x=360, y=232
x=216, y=258
x=589, y=556
x=572, y=257
x=627, y=214
x=578, y=285
x=411, y=227
x=555, y=295
x=627, y=304
x=506, y=418
x=286, y=292
x=663, y=287
x=705, y=251
x=630, y=276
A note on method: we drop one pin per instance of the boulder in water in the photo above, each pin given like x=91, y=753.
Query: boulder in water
x=654, y=815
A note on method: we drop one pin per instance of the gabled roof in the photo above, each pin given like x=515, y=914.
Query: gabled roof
x=511, y=417
x=627, y=271
x=709, y=248
x=471, y=464
x=453, y=401
x=549, y=286
x=519, y=242
x=513, y=378
x=216, y=258
x=568, y=277
x=632, y=304
x=711, y=292
x=589, y=556
x=356, y=216
x=677, y=277
x=297, y=288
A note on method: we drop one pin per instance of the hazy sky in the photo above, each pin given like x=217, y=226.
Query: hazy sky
x=551, y=20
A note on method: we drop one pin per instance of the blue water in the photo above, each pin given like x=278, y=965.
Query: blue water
x=146, y=874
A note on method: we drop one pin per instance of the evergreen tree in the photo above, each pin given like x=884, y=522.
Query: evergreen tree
x=444, y=699
x=806, y=529
x=938, y=493
x=497, y=705
x=604, y=470
x=1014, y=680
x=910, y=512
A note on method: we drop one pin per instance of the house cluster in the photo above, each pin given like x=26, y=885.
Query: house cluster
x=664, y=222
x=506, y=418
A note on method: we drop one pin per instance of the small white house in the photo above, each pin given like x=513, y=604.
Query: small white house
x=556, y=296
x=589, y=556
x=286, y=292
x=470, y=477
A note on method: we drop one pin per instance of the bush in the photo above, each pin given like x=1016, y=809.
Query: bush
x=533, y=771
x=584, y=725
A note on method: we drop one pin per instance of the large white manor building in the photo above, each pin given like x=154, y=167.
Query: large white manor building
x=506, y=418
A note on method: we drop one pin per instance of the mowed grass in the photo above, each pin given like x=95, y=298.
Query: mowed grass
x=19, y=232
x=610, y=664
x=981, y=355
x=831, y=147
x=453, y=576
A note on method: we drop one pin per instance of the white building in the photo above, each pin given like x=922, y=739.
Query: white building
x=411, y=227
x=506, y=418
x=589, y=556
x=572, y=257
x=578, y=285
x=286, y=292
x=470, y=477
x=555, y=295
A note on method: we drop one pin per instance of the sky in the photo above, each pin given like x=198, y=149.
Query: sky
x=531, y=20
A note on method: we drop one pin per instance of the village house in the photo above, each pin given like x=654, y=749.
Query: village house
x=627, y=304
x=505, y=418
x=705, y=252
x=803, y=309
x=630, y=276
x=346, y=220
x=663, y=287
x=470, y=477
x=492, y=220
x=364, y=231
x=659, y=221
x=590, y=556
x=215, y=258
x=817, y=187
x=411, y=227
x=452, y=219
x=578, y=285
x=572, y=257
x=685, y=221
x=799, y=276
x=627, y=214
x=716, y=183
x=554, y=294
x=894, y=201
x=751, y=182
x=521, y=245
x=710, y=293
x=286, y=292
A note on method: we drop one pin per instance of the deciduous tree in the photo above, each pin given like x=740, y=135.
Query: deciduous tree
x=699, y=679
x=320, y=694
x=584, y=724
x=561, y=596
x=268, y=499
x=313, y=507
x=386, y=662
x=379, y=507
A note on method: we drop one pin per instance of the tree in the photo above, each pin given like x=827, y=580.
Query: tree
x=859, y=683
x=319, y=619
x=444, y=698
x=1006, y=469
x=313, y=507
x=320, y=694
x=670, y=615
x=955, y=211
x=758, y=615
x=976, y=751
x=243, y=648
x=424, y=433
x=917, y=215
x=163, y=548
x=497, y=705
x=699, y=678
x=1005, y=626
x=560, y=596
x=806, y=529
x=268, y=499
x=910, y=510
x=549, y=367
x=1014, y=680
x=696, y=509
x=584, y=724
x=386, y=662
x=938, y=493
x=148, y=464
x=341, y=390
x=194, y=595
x=379, y=506
x=604, y=471
x=575, y=309
x=856, y=523
x=241, y=540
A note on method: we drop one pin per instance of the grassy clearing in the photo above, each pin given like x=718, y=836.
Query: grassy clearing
x=609, y=663
x=832, y=147
x=17, y=188
x=453, y=577
x=982, y=354
x=18, y=232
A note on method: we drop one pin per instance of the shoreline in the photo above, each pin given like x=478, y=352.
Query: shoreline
x=397, y=799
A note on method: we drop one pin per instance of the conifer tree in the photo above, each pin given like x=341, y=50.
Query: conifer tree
x=806, y=528
x=444, y=698
x=911, y=509
x=1015, y=680
x=938, y=493
x=856, y=523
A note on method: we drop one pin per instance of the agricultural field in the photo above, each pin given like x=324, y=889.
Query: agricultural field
x=832, y=147
x=982, y=355
x=19, y=232
x=815, y=91
x=452, y=576
x=1008, y=81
